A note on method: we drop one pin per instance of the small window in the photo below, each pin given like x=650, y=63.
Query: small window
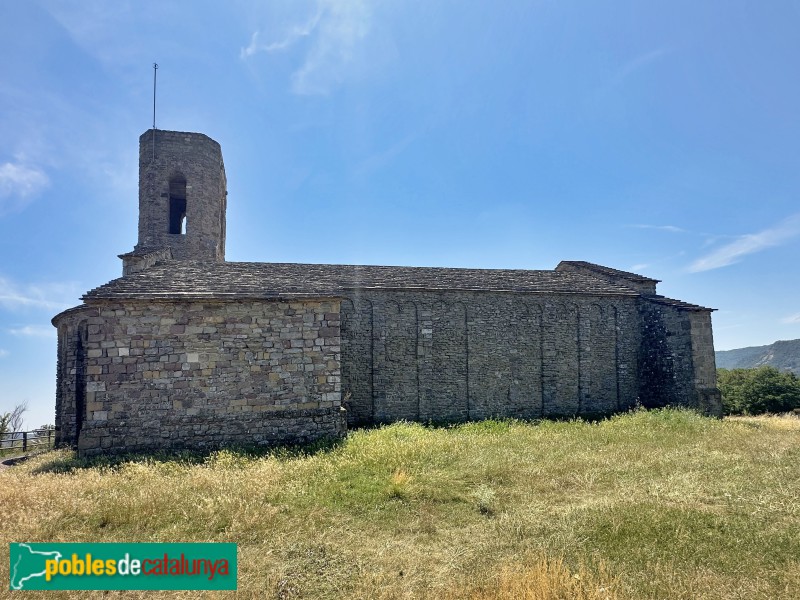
x=177, y=205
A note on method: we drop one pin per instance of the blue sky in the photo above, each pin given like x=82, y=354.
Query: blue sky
x=661, y=137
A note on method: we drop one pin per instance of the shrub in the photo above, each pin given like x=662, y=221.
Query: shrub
x=758, y=391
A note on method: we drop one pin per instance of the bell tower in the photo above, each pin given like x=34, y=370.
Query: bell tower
x=182, y=200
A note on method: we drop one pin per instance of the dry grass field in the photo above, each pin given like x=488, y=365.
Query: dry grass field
x=662, y=504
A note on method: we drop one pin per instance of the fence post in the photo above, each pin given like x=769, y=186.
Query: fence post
x=24, y=441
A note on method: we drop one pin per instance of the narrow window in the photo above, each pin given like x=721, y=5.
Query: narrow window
x=80, y=380
x=177, y=205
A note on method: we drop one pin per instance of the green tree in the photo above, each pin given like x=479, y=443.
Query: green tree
x=758, y=391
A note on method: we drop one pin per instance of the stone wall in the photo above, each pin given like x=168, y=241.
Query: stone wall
x=196, y=159
x=676, y=360
x=133, y=262
x=71, y=375
x=455, y=356
x=140, y=369
x=148, y=375
x=665, y=358
x=708, y=396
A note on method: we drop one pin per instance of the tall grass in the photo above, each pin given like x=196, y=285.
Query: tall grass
x=663, y=504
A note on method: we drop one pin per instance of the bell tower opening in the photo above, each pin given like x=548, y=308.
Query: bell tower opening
x=177, y=205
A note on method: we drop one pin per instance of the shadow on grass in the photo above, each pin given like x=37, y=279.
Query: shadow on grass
x=236, y=454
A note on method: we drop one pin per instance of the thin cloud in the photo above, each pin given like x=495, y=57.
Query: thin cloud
x=381, y=159
x=333, y=35
x=792, y=319
x=344, y=25
x=630, y=68
x=669, y=228
x=33, y=331
x=294, y=34
x=639, y=267
x=710, y=238
x=52, y=296
x=19, y=184
x=748, y=244
x=639, y=63
x=98, y=27
x=4, y=353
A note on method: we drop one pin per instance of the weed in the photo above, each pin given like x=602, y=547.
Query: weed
x=485, y=499
x=399, y=485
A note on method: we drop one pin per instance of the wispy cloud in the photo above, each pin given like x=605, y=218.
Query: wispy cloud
x=99, y=27
x=748, y=244
x=638, y=63
x=19, y=184
x=294, y=34
x=333, y=33
x=33, y=331
x=625, y=71
x=792, y=319
x=669, y=228
x=46, y=296
x=385, y=157
x=4, y=353
x=345, y=25
x=709, y=240
x=638, y=267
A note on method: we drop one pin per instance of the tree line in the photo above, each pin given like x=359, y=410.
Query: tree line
x=758, y=391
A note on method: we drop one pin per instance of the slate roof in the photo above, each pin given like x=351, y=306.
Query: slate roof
x=187, y=279
x=676, y=303
x=609, y=271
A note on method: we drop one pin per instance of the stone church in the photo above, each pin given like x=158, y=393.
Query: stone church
x=186, y=350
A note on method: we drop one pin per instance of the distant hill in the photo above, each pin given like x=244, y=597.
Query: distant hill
x=784, y=355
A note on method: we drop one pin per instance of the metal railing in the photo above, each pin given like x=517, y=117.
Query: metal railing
x=26, y=441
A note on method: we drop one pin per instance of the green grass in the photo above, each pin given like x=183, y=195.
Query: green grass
x=663, y=504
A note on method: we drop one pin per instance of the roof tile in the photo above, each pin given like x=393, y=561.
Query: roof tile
x=188, y=279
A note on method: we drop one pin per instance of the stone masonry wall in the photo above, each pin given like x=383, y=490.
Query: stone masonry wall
x=71, y=375
x=709, y=398
x=198, y=159
x=143, y=376
x=665, y=358
x=455, y=356
x=133, y=262
x=676, y=361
